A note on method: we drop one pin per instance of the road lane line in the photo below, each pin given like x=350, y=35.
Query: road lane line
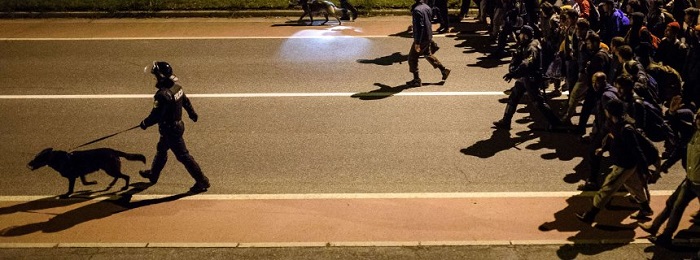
x=329, y=244
x=260, y=95
x=199, y=38
x=451, y=195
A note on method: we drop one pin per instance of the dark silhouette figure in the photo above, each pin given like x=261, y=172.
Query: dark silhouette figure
x=74, y=165
x=395, y=57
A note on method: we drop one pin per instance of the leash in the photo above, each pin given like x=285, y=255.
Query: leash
x=104, y=137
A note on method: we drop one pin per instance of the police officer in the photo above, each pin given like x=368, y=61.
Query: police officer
x=526, y=68
x=167, y=113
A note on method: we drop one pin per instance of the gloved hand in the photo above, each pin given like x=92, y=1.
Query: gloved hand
x=143, y=125
x=194, y=117
x=508, y=77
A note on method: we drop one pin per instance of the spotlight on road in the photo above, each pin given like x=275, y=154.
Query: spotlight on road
x=324, y=45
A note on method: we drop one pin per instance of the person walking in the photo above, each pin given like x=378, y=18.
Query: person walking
x=627, y=156
x=422, y=43
x=442, y=16
x=168, y=103
x=526, y=68
x=688, y=190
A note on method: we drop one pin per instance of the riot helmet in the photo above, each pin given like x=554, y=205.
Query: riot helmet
x=162, y=70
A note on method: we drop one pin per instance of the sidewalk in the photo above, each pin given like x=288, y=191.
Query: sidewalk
x=316, y=220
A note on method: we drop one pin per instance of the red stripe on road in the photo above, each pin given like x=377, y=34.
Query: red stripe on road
x=333, y=221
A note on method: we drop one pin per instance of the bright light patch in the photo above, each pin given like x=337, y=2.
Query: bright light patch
x=330, y=44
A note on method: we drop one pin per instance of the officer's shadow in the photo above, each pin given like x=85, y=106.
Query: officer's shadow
x=108, y=205
x=386, y=91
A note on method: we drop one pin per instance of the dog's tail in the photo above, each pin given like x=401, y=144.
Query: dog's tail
x=132, y=156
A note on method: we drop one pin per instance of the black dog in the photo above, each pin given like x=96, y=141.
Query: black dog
x=319, y=7
x=80, y=163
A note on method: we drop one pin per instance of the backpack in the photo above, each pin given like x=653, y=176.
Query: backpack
x=668, y=80
x=649, y=120
x=649, y=150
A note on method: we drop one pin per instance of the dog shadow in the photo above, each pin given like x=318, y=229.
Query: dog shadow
x=386, y=91
x=114, y=203
x=388, y=60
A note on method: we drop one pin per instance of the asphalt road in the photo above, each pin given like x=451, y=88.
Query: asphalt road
x=351, y=127
x=325, y=144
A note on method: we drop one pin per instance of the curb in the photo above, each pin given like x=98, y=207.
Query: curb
x=194, y=14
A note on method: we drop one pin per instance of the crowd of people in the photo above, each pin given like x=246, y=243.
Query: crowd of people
x=634, y=66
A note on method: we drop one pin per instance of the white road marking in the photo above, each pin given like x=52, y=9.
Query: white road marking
x=447, y=195
x=259, y=95
x=200, y=38
x=330, y=244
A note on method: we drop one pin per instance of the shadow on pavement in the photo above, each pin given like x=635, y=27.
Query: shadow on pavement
x=500, y=140
x=113, y=204
x=389, y=60
x=386, y=91
x=608, y=227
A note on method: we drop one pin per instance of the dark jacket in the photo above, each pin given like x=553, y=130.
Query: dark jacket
x=168, y=103
x=625, y=151
x=614, y=25
x=600, y=61
x=691, y=70
x=606, y=95
x=671, y=52
x=422, y=28
x=527, y=60
x=682, y=122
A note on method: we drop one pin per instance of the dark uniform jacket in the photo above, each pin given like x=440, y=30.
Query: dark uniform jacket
x=168, y=103
x=527, y=61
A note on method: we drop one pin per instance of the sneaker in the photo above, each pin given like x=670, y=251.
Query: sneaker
x=649, y=228
x=585, y=217
x=661, y=240
x=445, y=74
x=414, y=83
x=642, y=214
x=588, y=186
x=502, y=124
x=148, y=175
x=199, y=188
